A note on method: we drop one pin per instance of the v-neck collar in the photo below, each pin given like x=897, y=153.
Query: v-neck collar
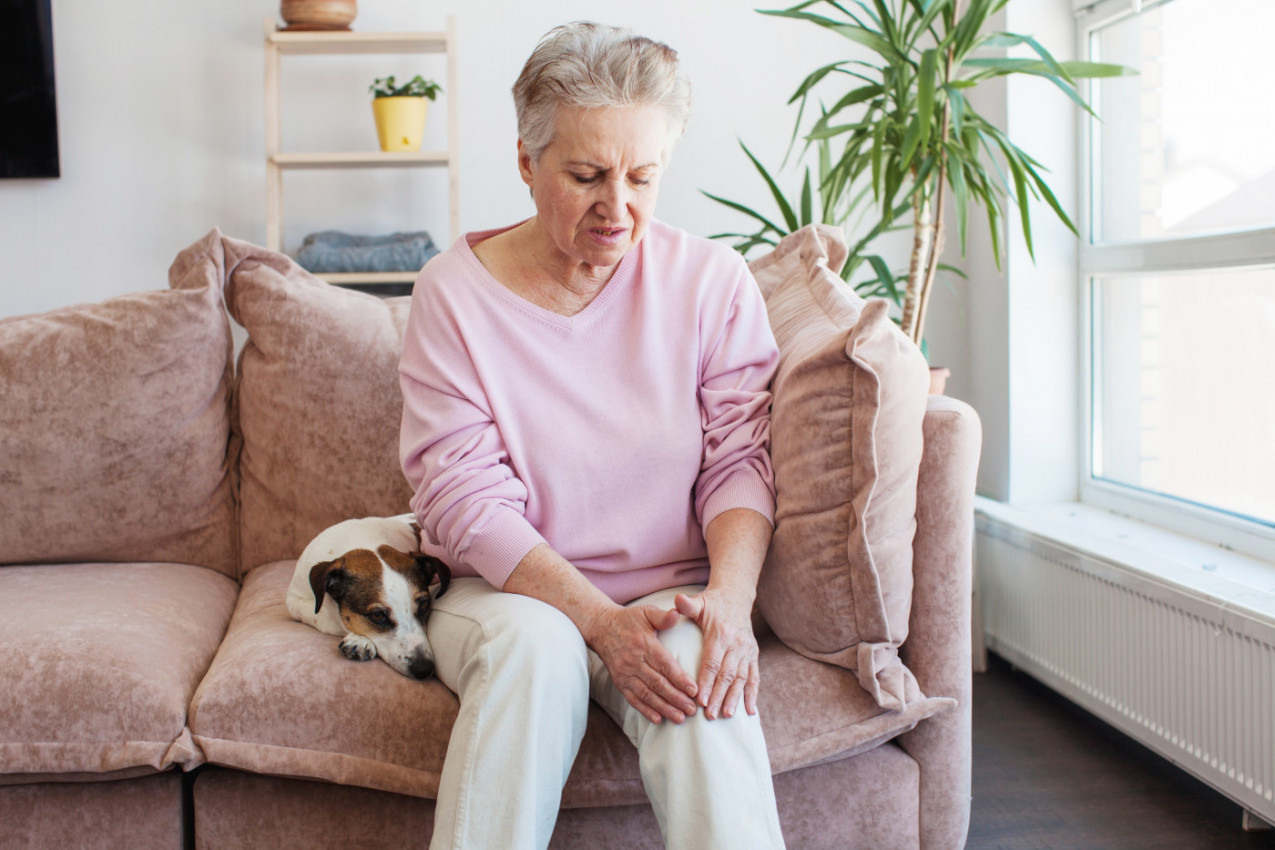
x=610, y=291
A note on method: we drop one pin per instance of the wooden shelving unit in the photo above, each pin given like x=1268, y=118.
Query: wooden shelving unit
x=280, y=43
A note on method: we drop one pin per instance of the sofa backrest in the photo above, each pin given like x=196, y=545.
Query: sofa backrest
x=317, y=403
x=115, y=428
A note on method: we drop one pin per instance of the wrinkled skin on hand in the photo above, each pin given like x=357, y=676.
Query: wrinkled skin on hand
x=729, y=666
x=651, y=680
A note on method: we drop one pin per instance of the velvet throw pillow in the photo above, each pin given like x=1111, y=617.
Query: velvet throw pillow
x=317, y=402
x=115, y=429
x=849, y=399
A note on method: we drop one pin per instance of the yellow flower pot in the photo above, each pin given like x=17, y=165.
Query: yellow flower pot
x=400, y=122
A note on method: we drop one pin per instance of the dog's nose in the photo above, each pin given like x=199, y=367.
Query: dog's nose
x=421, y=667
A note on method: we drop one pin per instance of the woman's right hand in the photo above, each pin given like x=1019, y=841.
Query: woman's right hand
x=626, y=639
x=644, y=671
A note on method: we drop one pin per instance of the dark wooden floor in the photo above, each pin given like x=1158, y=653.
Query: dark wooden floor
x=1049, y=775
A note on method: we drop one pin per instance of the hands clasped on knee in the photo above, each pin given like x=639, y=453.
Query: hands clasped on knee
x=651, y=679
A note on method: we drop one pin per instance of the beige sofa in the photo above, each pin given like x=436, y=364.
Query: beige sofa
x=153, y=495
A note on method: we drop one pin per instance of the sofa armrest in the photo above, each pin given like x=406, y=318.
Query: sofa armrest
x=937, y=650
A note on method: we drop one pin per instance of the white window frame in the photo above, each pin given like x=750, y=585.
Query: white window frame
x=1112, y=260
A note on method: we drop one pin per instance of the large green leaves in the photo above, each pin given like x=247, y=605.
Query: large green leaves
x=854, y=30
x=906, y=118
x=900, y=123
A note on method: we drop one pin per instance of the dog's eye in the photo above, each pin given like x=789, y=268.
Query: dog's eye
x=378, y=618
x=422, y=607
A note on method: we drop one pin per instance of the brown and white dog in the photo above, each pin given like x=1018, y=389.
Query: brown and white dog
x=377, y=583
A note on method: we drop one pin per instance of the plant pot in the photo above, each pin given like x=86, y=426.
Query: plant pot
x=318, y=14
x=938, y=379
x=400, y=122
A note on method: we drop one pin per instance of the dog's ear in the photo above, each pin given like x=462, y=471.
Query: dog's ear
x=327, y=577
x=444, y=578
x=431, y=567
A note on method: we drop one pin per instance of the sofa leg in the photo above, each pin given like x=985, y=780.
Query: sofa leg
x=188, y=809
x=1253, y=822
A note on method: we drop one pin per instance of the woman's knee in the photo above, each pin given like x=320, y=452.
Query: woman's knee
x=685, y=642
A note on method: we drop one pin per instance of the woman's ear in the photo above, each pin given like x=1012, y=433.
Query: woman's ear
x=524, y=167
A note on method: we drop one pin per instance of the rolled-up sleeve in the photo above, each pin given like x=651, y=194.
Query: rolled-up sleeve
x=737, y=364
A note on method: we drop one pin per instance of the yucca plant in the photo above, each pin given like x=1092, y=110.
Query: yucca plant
x=836, y=206
x=917, y=136
x=902, y=124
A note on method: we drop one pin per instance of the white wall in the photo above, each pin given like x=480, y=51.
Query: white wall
x=1022, y=339
x=162, y=138
x=160, y=110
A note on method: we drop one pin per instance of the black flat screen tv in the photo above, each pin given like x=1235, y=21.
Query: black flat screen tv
x=28, y=99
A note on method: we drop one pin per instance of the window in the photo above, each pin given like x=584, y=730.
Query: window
x=1178, y=268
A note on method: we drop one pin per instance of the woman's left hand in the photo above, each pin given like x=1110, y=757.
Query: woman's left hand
x=728, y=666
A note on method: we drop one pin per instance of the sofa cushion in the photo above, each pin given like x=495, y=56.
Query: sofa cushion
x=318, y=403
x=114, y=432
x=99, y=663
x=280, y=699
x=849, y=399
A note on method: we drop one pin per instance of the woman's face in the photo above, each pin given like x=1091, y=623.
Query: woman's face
x=596, y=184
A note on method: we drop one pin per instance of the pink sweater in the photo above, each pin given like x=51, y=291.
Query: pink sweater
x=615, y=435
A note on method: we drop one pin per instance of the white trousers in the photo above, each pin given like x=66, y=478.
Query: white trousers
x=524, y=678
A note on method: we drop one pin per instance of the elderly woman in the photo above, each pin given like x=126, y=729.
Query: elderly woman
x=586, y=427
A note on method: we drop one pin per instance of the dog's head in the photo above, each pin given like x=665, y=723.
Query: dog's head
x=383, y=595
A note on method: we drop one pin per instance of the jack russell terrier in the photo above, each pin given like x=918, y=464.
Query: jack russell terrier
x=377, y=583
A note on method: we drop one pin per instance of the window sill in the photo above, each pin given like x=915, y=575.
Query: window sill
x=1227, y=579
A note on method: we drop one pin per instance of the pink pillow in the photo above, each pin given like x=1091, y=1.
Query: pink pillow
x=115, y=429
x=849, y=399
x=317, y=403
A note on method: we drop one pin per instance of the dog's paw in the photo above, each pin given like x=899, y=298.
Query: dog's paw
x=357, y=648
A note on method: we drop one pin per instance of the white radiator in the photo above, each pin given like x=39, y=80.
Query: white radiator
x=1186, y=674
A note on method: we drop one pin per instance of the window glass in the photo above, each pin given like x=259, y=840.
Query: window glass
x=1183, y=394
x=1188, y=146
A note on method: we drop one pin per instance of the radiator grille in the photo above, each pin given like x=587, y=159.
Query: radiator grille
x=1186, y=676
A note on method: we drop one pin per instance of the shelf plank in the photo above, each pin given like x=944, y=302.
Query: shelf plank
x=367, y=277
x=353, y=41
x=361, y=159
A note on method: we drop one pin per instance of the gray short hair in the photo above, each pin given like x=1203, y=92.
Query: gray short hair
x=591, y=65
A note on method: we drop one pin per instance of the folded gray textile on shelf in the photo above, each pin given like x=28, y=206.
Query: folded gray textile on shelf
x=335, y=251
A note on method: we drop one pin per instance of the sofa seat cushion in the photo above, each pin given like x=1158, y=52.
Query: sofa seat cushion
x=280, y=699
x=99, y=663
x=115, y=429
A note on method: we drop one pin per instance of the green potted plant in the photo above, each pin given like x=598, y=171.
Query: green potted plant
x=824, y=202
x=902, y=128
x=400, y=111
